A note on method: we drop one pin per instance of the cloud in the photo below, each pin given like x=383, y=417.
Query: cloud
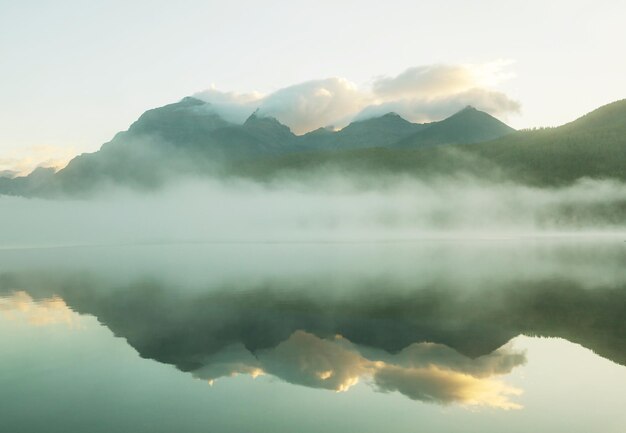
x=422, y=110
x=424, y=82
x=9, y=173
x=23, y=161
x=430, y=93
x=314, y=104
x=232, y=106
x=440, y=80
x=419, y=94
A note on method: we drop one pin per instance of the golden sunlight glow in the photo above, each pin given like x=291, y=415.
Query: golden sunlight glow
x=443, y=385
x=256, y=372
x=21, y=306
x=24, y=161
x=336, y=364
x=491, y=74
x=348, y=384
x=325, y=374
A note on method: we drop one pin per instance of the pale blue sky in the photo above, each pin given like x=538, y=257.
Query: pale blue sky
x=75, y=72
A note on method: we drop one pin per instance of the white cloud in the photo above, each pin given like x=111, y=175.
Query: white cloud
x=314, y=104
x=23, y=161
x=431, y=93
x=419, y=94
x=424, y=82
x=423, y=110
x=232, y=106
x=441, y=80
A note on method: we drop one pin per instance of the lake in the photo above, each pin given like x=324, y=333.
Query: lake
x=511, y=334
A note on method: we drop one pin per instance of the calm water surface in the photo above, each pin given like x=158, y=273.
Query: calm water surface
x=433, y=335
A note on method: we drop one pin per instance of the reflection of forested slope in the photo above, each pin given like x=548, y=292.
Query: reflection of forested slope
x=180, y=329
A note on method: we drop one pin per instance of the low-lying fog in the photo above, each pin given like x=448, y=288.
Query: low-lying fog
x=335, y=209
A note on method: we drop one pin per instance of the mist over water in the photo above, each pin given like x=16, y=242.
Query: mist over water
x=328, y=208
x=431, y=290
x=432, y=320
x=407, y=293
x=303, y=246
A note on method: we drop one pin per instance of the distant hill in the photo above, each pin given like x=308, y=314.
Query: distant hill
x=465, y=127
x=8, y=173
x=189, y=137
x=374, y=132
x=593, y=146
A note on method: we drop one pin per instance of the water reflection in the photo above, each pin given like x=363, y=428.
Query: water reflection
x=21, y=306
x=429, y=339
x=423, y=371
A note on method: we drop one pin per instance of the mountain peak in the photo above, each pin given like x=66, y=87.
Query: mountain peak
x=322, y=130
x=267, y=128
x=256, y=120
x=190, y=101
x=468, y=110
x=469, y=125
x=179, y=121
x=390, y=117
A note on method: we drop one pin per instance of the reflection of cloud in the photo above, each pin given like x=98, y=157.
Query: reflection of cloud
x=231, y=361
x=410, y=337
x=426, y=372
x=21, y=306
x=308, y=360
x=501, y=361
x=433, y=384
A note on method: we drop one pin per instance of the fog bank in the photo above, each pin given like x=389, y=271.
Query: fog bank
x=333, y=209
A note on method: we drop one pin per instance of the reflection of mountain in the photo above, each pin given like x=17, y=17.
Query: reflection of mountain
x=429, y=343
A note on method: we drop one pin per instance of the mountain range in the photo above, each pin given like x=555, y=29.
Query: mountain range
x=190, y=138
